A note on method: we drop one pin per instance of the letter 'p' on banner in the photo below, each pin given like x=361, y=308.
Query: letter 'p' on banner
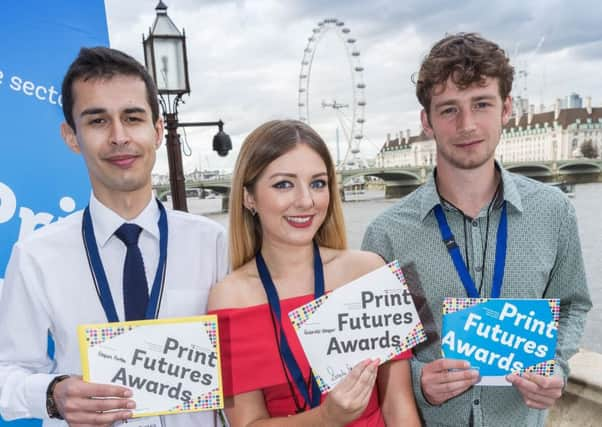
x=41, y=180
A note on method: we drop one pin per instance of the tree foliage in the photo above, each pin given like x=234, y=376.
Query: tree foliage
x=589, y=149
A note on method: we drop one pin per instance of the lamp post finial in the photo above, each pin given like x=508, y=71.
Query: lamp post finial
x=161, y=7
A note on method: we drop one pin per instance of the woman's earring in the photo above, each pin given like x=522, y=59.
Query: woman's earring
x=253, y=211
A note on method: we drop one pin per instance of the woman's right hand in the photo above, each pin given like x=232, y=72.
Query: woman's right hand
x=349, y=398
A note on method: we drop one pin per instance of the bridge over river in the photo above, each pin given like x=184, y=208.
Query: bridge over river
x=399, y=181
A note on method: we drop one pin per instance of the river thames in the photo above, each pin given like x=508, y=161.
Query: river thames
x=588, y=204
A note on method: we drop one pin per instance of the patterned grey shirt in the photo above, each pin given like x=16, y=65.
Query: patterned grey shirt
x=543, y=260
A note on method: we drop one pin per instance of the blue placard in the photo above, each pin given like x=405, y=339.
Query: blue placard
x=41, y=180
x=501, y=336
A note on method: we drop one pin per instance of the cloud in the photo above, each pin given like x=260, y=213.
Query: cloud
x=245, y=57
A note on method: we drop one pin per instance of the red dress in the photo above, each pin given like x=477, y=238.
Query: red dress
x=250, y=359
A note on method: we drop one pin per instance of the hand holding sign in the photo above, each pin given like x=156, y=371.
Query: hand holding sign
x=349, y=398
x=538, y=392
x=446, y=378
x=80, y=402
x=501, y=336
x=171, y=366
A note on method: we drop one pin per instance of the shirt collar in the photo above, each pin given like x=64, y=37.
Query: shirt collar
x=106, y=221
x=430, y=196
x=511, y=194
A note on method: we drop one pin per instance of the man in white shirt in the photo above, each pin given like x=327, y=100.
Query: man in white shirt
x=112, y=120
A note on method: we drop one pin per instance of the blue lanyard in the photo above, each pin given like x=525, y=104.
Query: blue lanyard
x=285, y=349
x=454, y=252
x=100, y=278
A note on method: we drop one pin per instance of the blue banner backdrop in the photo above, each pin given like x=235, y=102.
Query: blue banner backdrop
x=40, y=179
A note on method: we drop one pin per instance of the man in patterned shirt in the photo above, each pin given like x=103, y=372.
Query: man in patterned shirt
x=464, y=88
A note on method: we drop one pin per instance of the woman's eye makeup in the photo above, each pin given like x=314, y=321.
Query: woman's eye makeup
x=283, y=184
x=318, y=183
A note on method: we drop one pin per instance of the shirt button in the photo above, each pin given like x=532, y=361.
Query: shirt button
x=475, y=223
x=479, y=268
x=476, y=401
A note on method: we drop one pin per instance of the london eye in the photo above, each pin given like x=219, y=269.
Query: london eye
x=349, y=115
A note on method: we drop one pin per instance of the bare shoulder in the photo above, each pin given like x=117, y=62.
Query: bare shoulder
x=222, y=295
x=365, y=260
x=238, y=289
x=344, y=266
x=360, y=261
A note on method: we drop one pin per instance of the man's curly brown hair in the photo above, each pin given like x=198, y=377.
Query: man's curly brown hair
x=466, y=58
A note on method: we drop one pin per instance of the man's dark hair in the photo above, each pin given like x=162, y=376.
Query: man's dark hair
x=105, y=63
x=466, y=58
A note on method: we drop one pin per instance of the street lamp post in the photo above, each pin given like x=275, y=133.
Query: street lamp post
x=167, y=62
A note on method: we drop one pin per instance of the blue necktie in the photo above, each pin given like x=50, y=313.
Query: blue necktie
x=135, y=287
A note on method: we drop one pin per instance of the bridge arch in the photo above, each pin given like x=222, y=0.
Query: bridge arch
x=530, y=169
x=218, y=187
x=391, y=176
x=580, y=167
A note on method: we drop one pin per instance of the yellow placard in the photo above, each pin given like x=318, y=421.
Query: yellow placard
x=171, y=365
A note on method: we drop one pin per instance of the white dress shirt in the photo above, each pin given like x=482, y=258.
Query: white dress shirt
x=48, y=287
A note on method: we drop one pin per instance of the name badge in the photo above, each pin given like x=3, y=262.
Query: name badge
x=141, y=422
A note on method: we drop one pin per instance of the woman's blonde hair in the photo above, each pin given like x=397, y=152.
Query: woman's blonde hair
x=265, y=144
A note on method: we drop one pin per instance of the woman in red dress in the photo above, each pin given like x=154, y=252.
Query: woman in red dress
x=287, y=247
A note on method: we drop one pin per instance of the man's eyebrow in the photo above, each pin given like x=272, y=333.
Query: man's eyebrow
x=484, y=97
x=445, y=103
x=132, y=110
x=91, y=111
x=100, y=110
x=455, y=101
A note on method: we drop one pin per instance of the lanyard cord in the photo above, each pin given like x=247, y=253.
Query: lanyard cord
x=311, y=395
x=99, y=276
x=465, y=237
x=464, y=219
x=454, y=252
x=298, y=407
x=486, y=244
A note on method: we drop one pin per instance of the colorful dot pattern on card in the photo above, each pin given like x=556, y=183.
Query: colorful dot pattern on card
x=555, y=307
x=451, y=305
x=210, y=400
x=396, y=269
x=321, y=384
x=415, y=337
x=95, y=336
x=211, y=328
x=543, y=368
x=300, y=316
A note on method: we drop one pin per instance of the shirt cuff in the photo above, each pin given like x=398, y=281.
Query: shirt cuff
x=35, y=394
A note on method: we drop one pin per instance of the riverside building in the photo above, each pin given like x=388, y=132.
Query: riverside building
x=527, y=137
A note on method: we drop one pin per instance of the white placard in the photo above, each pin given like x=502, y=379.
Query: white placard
x=371, y=317
x=171, y=365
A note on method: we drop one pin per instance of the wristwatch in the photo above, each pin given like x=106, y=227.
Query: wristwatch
x=51, y=408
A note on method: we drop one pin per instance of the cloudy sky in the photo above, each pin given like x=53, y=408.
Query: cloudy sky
x=245, y=58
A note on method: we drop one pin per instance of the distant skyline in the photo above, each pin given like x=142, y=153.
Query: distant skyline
x=245, y=58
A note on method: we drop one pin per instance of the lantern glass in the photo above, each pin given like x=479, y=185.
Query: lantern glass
x=170, y=67
x=149, y=58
